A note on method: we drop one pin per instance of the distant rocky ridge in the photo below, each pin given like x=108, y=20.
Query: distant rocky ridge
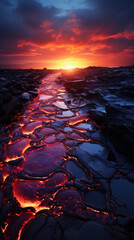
x=107, y=94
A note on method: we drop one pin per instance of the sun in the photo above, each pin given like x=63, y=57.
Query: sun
x=70, y=64
x=70, y=67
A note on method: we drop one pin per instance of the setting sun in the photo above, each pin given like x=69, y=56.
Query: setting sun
x=68, y=63
x=70, y=67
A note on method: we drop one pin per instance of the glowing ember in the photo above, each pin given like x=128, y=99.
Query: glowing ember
x=48, y=109
x=78, y=119
x=29, y=128
x=40, y=162
x=39, y=116
x=46, y=131
x=50, y=139
x=68, y=199
x=76, y=136
x=31, y=193
x=16, y=224
x=45, y=97
x=15, y=150
x=49, y=165
x=23, y=121
x=57, y=179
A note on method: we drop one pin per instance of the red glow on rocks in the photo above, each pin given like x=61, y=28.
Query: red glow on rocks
x=46, y=131
x=29, y=128
x=16, y=149
x=31, y=193
x=78, y=119
x=40, y=162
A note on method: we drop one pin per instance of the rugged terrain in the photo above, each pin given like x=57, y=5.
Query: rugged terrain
x=16, y=88
x=67, y=169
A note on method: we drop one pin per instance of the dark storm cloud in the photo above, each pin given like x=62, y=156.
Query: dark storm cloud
x=10, y=25
x=22, y=22
x=5, y=2
x=107, y=16
x=33, y=13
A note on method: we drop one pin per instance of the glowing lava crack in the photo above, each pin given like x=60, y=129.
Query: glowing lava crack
x=50, y=175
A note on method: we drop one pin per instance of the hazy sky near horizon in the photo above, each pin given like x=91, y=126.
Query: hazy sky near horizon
x=53, y=34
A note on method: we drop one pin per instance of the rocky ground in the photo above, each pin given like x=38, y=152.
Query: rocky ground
x=107, y=94
x=16, y=88
x=67, y=168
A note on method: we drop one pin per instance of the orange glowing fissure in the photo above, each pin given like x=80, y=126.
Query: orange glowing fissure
x=24, y=224
x=39, y=179
x=16, y=150
x=27, y=193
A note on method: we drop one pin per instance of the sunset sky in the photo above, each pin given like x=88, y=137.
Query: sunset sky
x=63, y=33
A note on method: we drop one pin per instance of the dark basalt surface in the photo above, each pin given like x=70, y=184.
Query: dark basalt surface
x=107, y=94
x=63, y=172
x=16, y=88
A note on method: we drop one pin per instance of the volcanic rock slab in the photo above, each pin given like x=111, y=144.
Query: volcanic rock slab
x=40, y=162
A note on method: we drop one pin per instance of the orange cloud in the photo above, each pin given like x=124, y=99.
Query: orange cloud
x=126, y=34
x=46, y=24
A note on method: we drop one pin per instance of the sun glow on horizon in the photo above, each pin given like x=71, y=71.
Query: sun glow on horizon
x=69, y=64
x=69, y=67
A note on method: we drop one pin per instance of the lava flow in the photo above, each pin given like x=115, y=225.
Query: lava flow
x=48, y=170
